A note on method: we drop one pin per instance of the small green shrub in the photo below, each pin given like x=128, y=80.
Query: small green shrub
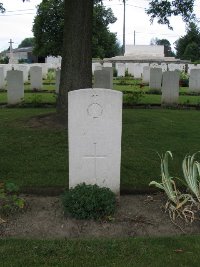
x=184, y=75
x=10, y=202
x=89, y=202
x=35, y=100
x=123, y=81
x=51, y=75
x=134, y=97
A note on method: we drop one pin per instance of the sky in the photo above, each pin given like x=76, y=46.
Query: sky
x=17, y=22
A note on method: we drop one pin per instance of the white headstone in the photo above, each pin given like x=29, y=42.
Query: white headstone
x=146, y=74
x=121, y=69
x=2, y=78
x=194, y=80
x=57, y=80
x=170, y=87
x=163, y=67
x=173, y=66
x=24, y=69
x=36, y=77
x=5, y=68
x=154, y=65
x=15, y=86
x=96, y=66
x=107, y=64
x=130, y=68
x=137, y=71
x=95, y=126
x=155, y=78
x=45, y=67
x=103, y=78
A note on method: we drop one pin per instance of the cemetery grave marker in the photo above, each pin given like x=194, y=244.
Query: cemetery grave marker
x=95, y=126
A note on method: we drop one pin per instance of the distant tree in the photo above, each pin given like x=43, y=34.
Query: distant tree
x=165, y=9
x=192, y=52
x=2, y=9
x=4, y=60
x=26, y=42
x=104, y=42
x=77, y=39
x=191, y=40
x=167, y=46
x=49, y=26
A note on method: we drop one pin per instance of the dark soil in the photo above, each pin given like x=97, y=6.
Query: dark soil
x=49, y=121
x=137, y=215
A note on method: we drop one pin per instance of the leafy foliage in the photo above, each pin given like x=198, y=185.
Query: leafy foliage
x=167, y=46
x=89, y=202
x=191, y=171
x=164, y=9
x=2, y=9
x=27, y=42
x=48, y=30
x=4, y=60
x=9, y=200
x=188, y=46
x=135, y=97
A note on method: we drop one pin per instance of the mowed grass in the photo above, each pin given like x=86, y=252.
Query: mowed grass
x=39, y=157
x=31, y=156
x=131, y=252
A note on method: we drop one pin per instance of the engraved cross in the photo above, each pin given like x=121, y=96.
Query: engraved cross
x=95, y=156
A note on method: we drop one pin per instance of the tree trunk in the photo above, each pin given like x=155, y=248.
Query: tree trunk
x=76, y=68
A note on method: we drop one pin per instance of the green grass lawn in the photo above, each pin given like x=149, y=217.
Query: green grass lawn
x=31, y=156
x=38, y=157
x=131, y=252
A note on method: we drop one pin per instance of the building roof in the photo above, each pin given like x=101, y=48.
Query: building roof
x=23, y=49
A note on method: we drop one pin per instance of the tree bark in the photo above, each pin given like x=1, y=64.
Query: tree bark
x=76, y=67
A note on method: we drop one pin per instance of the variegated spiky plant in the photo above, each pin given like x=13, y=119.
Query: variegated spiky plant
x=191, y=171
x=178, y=204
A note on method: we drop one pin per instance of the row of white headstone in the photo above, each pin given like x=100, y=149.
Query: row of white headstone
x=136, y=69
x=15, y=83
x=154, y=76
x=26, y=68
x=167, y=81
x=104, y=79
